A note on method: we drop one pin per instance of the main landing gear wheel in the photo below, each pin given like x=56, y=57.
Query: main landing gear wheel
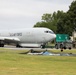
x=18, y=46
x=1, y=44
x=42, y=46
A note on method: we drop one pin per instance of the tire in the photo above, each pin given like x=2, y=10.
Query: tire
x=1, y=45
x=61, y=46
x=42, y=46
x=69, y=48
x=56, y=46
x=18, y=46
x=64, y=47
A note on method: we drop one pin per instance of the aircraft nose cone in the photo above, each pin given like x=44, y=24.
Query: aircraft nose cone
x=54, y=35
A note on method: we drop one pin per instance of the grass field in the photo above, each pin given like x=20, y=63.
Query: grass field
x=14, y=63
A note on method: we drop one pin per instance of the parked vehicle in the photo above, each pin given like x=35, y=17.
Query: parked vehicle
x=63, y=41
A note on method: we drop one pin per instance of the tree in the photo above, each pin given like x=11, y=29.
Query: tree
x=59, y=21
x=47, y=17
x=68, y=22
x=50, y=20
x=72, y=13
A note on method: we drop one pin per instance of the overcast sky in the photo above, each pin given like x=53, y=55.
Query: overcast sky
x=26, y=13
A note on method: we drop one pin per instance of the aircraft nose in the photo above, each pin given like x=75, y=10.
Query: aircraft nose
x=54, y=35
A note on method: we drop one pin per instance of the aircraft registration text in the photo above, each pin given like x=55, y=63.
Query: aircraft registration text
x=15, y=34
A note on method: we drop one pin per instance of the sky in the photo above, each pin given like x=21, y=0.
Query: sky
x=26, y=13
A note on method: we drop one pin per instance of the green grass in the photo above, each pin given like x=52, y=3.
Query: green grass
x=14, y=63
x=73, y=51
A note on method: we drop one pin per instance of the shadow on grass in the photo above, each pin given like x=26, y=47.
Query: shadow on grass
x=33, y=52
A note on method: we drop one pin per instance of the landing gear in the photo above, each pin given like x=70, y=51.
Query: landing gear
x=1, y=43
x=43, y=46
x=18, y=46
x=56, y=46
x=61, y=46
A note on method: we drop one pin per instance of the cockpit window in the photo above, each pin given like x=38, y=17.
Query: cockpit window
x=49, y=32
x=46, y=31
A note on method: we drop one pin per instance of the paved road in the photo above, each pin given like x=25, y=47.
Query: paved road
x=14, y=48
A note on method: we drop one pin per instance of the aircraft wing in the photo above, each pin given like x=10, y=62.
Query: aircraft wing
x=9, y=39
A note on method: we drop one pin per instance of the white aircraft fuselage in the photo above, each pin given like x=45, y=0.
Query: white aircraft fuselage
x=27, y=36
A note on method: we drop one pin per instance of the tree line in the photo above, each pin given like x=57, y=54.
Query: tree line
x=60, y=22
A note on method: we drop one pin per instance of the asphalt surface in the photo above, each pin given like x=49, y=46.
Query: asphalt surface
x=14, y=48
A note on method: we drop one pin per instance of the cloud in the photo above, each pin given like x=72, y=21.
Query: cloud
x=25, y=13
